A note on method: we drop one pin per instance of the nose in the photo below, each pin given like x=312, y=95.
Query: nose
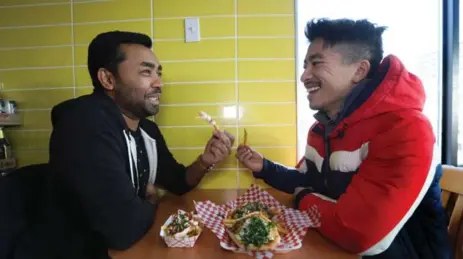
x=157, y=82
x=307, y=74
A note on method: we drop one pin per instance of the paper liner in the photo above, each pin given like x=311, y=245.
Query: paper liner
x=178, y=242
x=297, y=222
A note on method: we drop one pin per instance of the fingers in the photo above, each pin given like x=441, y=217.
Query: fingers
x=218, y=149
x=224, y=138
x=244, y=154
x=230, y=137
x=243, y=148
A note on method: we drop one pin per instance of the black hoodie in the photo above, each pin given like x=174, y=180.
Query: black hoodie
x=91, y=204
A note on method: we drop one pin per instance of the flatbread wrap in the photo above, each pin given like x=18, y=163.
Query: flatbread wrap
x=251, y=227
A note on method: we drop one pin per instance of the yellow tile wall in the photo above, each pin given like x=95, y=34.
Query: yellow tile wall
x=241, y=72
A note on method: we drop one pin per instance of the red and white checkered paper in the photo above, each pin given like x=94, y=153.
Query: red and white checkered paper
x=297, y=222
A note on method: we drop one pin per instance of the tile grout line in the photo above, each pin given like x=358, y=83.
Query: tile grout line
x=201, y=104
x=49, y=4
x=226, y=103
x=30, y=5
x=167, y=83
x=170, y=84
x=122, y=20
x=173, y=148
x=233, y=37
x=152, y=20
x=237, y=91
x=152, y=38
x=156, y=40
x=228, y=16
x=128, y=20
x=178, y=127
x=35, y=47
x=73, y=49
x=211, y=60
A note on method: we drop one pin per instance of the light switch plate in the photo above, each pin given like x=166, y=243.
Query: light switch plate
x=192, y=33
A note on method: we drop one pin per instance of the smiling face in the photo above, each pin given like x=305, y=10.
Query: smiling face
x=327, y=78
x=137, y=86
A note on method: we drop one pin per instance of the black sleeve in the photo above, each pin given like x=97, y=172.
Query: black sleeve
x=171, y=175
x=87, y=155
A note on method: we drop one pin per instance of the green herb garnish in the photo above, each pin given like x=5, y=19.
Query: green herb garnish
x=256, y=232
x=178, y=224
x=249, y=208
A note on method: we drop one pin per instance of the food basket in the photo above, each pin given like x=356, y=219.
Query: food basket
x=180, y=240
x=296, y=221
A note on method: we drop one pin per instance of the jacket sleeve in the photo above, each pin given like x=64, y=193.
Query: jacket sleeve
x=171, y=174
x=287, y=179
x=389, y=185
x=88, y=159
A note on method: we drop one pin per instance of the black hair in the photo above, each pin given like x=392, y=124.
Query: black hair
x=354, y=39
x=104, y=51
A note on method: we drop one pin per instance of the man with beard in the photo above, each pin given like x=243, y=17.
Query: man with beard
x=368, y=161
x=106, y=157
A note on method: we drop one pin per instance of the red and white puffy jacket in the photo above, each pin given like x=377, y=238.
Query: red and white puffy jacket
x=367, y=175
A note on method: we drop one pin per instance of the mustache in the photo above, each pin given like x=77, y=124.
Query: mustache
x=154, y=92
x=312, y=83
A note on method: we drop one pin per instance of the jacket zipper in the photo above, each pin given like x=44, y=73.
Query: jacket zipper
x=326, y=162
x=133, y=165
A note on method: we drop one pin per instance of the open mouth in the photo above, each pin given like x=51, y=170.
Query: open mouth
x=154, y=99
x=312, y=89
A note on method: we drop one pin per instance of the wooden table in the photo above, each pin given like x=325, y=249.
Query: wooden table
x=207, y=246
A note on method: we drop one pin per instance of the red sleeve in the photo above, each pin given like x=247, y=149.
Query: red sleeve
x=386, y=190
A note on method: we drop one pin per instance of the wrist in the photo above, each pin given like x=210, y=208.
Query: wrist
x=301, y=195
x=260, y=173
x=203, y=164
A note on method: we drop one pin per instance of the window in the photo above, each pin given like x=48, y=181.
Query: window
x=458, y=90
x=415, y=40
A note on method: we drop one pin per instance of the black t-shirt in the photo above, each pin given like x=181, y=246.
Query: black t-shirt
x=142, y=166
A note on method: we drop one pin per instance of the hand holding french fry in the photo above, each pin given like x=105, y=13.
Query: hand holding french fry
x=219, y=145
x=217, y=148
x=250, y=158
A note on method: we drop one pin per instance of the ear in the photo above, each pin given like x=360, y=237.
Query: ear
x=362, y=71
x=106, y=79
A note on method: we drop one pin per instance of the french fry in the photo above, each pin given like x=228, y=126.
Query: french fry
x=245, y=142
x=282, y=228
x=275, y=211
x=209, y=119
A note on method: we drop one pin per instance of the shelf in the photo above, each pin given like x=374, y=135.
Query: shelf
x=10, y=120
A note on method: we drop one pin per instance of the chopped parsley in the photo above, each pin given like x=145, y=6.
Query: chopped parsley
x=256, y=232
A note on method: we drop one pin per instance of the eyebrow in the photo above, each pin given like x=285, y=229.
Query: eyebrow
x=315, y=56
x=147, y=64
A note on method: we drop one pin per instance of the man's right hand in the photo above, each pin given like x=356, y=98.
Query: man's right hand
x=250, y=158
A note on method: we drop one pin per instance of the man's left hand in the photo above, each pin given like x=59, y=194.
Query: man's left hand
x=151, y=193
x=217, y=148
x=300, y=193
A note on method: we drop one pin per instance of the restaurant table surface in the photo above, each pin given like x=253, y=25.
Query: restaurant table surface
x=207, y=246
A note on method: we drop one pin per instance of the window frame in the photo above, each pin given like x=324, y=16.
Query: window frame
x=450, y=73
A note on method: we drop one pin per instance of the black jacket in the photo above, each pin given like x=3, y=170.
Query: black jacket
x=90, y=203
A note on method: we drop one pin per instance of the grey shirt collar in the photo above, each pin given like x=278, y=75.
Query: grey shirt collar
x=331, y=123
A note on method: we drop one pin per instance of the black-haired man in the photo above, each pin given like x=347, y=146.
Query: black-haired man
x=367, y=165
x=105, y=156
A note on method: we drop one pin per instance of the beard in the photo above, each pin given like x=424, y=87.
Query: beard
x=132, y=105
